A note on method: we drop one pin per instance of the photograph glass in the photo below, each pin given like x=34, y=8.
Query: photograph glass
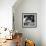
x=29, y=19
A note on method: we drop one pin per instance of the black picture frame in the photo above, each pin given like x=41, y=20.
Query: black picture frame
x=29, y=20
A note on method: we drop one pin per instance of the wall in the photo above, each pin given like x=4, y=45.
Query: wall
x=28, y=6
x=43, y=22
x=6, y=13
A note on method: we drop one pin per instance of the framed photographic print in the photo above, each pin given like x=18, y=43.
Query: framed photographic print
x=29, y=20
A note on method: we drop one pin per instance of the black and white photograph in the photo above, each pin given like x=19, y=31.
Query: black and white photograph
x=29, y=20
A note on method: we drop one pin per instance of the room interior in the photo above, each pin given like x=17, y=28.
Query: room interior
x=13, y=32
